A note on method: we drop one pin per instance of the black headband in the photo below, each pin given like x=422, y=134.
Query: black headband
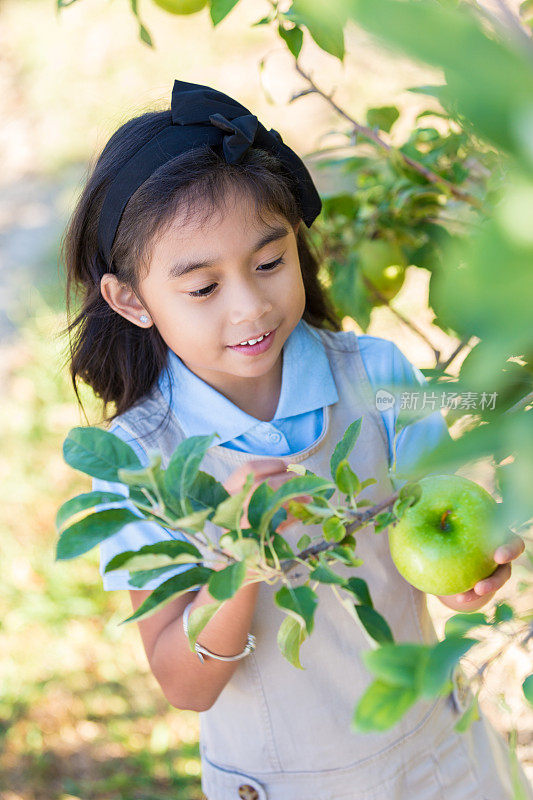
x=201, y=115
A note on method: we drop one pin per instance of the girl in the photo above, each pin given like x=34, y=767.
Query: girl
x=202, y=312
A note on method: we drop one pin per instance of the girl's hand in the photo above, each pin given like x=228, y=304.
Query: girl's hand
x=485, y=589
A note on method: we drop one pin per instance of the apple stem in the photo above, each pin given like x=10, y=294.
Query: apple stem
x=443, y=524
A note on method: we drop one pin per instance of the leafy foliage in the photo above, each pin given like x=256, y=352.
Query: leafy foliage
x=455, y=199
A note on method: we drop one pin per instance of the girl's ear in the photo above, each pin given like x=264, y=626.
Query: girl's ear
x=124, y=301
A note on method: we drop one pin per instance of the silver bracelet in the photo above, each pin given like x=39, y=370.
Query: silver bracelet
x=250, y=644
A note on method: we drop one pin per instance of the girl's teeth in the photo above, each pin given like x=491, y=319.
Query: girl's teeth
x=254, y=341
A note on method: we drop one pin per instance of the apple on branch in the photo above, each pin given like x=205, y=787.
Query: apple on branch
x=181, y=6
x=447, y=543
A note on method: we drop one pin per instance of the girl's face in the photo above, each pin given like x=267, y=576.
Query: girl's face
x=212, y=287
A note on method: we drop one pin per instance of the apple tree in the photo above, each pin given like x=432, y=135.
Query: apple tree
x=455, y=200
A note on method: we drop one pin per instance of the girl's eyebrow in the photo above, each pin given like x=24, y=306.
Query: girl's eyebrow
x=272, y=235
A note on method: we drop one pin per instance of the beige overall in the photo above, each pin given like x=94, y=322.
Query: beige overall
x=280, y=733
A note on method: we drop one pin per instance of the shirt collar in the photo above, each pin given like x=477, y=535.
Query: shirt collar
x=201, y=409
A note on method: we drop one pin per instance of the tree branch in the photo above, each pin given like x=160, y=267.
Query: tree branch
x=462, y=344
x=360, y=519
x=369, y=133
x=524, y=401
x=375, y=291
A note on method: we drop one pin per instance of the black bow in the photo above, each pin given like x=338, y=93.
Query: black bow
x=242, y=132
x=194, y=104
x=200, y=115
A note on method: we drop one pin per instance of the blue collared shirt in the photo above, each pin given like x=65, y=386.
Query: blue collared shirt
x=296, y=424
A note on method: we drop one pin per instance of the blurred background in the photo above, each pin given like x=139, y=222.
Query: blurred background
x=80, y=714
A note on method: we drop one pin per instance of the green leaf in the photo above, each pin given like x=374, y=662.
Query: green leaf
x=334, y=529
x=503, y=613
x=368, y=482
x=195, y=520
x=198, y=619
x=140, y=578
x=527, y=688
x=167, y=591
x=85, y=534
x=383, y=117
x=375, y=625
x=144, y=33
x=141, y=476
x=262, y=21
x=383, y=520
x=345, y=446
x=525, y=10
x=84, y=502
x=153, y=556
x=300, y=602
x=460, y=624
x=359, y=588
x=468, y=717
x=325, y=574
x=397, y=664
x=443, y=656
x=325, y=24
x=98, y=453
x=244, y=548
x=303, y=542
x=381, y=706
x=182, y=469
x=433, y=91
x=291, y=635
x=225, y=582
x=320, y=509
x=346, y=479
x=259, y=503
x=152, y=479
x=408, y=416
x=280, y=545
x=206, y=492
x=293, y=38
x=409, y=495
x=219, y=9
x=345, y=554
x=478, y=68
x=306, y=484
x=229, y=512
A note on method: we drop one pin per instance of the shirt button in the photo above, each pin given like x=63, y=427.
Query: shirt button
x=274, y=437
x=247, y=792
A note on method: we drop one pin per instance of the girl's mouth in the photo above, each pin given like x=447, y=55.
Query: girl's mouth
x=258, y=347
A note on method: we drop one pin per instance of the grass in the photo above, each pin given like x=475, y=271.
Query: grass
x=80, y=713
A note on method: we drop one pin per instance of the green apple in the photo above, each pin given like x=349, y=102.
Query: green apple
x=445, y=542
x=383, y=264
x=181, y=6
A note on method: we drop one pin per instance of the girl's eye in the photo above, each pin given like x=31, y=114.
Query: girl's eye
x=208, y=289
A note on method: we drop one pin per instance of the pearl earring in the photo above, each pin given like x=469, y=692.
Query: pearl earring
x=144, y=318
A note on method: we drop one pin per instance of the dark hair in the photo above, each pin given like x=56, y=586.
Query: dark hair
x=118, y=359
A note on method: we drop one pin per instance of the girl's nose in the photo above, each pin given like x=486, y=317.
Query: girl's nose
x=248, y=304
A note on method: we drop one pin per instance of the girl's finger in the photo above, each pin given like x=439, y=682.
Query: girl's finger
x=466, y=597
x=510, y=550
x=265, y=467
x=495, y=581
